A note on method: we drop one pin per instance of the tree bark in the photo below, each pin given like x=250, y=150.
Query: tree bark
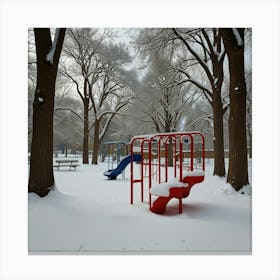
x=218, y=114
x=41, y=178
x=86, y=131
x=96, y=142
x=238, y=162
x=219, y=166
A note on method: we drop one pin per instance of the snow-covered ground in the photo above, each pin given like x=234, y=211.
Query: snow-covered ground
x=88, y=213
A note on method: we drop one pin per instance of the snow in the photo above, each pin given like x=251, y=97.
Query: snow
x=236, y=88
x=88, y=213
x=40, y=99
x=50, y=55
x=237, y=36
x=162, y=189
x=246, y=190
x=228, y=189
x=194, y=173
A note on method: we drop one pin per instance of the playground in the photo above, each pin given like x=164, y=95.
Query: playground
x=149, y=205
x=125, y=164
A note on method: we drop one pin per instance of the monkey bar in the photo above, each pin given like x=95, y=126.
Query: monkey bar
x=180, y=151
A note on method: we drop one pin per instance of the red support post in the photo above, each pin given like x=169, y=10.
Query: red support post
x=159, y=160
x=191, y=152
x=150, y=170
x=166, y=159
x=131, y=173
x=142, y=169
x=181, y=159
x=174, y=157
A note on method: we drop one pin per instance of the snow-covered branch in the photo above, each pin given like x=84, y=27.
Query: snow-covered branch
x=207, y=118
x=237, y=36
x=70, y=110
x=195, y=54
x=51, y=53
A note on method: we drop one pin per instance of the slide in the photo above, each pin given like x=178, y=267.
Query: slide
x=113, y=173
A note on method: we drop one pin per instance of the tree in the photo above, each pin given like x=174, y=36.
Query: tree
x=31, y=81
x=112, y=97
x=96, y=68
x=233, y=39
x=68, y=123
x=41, y=178
x=126, y=122
x=195, y=47
x=83, y=67
x=162, y=102
x=211, y=52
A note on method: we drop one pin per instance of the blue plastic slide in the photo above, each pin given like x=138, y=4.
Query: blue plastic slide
x=113, y=173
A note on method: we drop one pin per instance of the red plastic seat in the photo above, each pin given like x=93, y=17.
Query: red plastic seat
x=159, y=205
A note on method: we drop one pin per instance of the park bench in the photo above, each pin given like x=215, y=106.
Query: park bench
x=71, y=163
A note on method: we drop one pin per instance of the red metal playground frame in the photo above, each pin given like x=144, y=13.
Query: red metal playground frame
x=154, y=156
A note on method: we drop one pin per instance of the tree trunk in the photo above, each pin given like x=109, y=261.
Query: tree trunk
x=66, y=151
x=170, y=153
x=218, y=114
x=86, y=130
x=96, y=142
x=250, y=139
x=238, y=162
x=41, y=178
x=219, y=165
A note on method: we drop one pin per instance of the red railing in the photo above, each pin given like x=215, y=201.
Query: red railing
x=163, y=139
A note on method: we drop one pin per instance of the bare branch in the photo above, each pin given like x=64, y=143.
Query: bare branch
x=70, y=110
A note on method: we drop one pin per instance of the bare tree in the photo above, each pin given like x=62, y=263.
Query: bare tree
x=112, y=96
x=204, y=49
x=163, y=103
x=211, y=60
x=68, y=121
x=83, y=67
x=99, y=78
x=233, y=39
x=31, y=81
x=41, y=178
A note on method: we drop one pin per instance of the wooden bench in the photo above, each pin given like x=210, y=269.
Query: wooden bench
x=72, y=164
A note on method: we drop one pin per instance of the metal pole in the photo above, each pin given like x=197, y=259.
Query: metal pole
x=175, y=157
x=142, y=170
x=159, y=161
x=181, y=159
x=131, y=171
x=166, y=159
x=191, y=152
x=150, y=170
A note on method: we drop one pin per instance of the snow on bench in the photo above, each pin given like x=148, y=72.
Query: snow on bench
x=66, y=163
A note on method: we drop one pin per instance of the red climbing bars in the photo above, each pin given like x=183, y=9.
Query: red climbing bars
x=146, y=143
